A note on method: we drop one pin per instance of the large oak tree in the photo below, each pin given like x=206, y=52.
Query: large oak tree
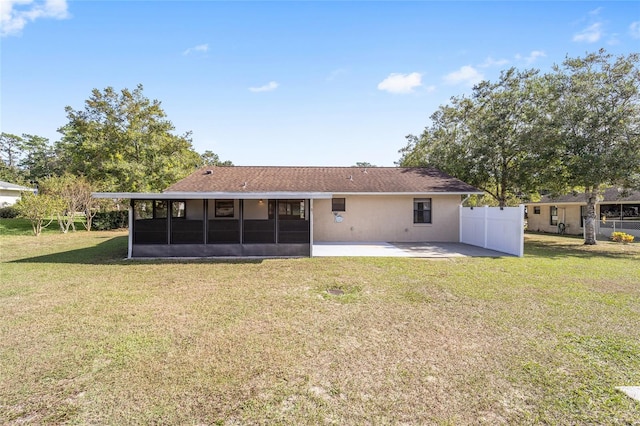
x=575, y=128
x=596, y=126
x=486, y=139
x=122, y=141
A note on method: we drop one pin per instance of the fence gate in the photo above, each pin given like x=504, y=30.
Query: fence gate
x=495, y=228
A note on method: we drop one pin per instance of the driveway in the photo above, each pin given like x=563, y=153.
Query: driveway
x=384, y=249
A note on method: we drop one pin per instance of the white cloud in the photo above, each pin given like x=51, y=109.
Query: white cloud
x=595, y=11
x=401, y=83
x=467, y=75
x=430, y=89
x=333, y=75
x=591, y=34
x=16, y=14
x=272, y=85
x=634, y=29
x=533, y=56
x=199, y=48
x=490, y=62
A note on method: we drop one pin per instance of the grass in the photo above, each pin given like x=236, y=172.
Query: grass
x=21, y=226
x=89, y=338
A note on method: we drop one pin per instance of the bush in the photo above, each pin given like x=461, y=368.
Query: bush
x=104, y=221
x=9, y=212
x=621, y=237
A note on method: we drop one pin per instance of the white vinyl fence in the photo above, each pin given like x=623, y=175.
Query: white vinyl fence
x=495, y=228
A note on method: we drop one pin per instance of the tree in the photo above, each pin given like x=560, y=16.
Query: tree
x=209, y=158
x=27, y=158
x=75, y=195
x=91, y=206
x=597, y=125
x=486, y=139
x=10, y=149
x=38, y=158
x=39, y=209
x=124, y=142
x=364, y=164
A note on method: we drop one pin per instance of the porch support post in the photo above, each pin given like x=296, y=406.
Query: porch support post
x=205, y=220
x=241, y=219
x=311, y=227
x=276, y=227
x=130, y=248
x=169, y=205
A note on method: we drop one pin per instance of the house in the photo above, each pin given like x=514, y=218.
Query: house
x=616, y=210
x=10, y=193
x=281, y=211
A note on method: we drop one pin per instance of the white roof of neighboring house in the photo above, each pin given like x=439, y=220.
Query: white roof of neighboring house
x=7, y=186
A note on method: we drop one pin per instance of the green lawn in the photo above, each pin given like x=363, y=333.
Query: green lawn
x=21, y=226
x=87, y=337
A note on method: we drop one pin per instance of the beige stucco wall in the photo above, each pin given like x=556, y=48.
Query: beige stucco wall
x=386, y=218
x=568, y=214
x=254, y=209
x=194, y=209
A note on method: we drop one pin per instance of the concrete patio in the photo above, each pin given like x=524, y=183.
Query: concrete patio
x=385, y=249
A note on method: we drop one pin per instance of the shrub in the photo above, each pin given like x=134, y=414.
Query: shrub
x=621, y=237
x=9, y=212
x=116, y=219
x=39, y=209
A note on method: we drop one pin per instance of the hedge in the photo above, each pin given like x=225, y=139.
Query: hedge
x=9, y=212
x=104, y=221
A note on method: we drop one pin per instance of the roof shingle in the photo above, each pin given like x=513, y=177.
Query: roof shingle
x=320, y=179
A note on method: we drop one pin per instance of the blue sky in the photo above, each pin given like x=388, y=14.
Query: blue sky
x=287, y=83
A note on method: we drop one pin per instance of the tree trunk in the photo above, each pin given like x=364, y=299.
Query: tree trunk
x=61, y=223
x=590, y=220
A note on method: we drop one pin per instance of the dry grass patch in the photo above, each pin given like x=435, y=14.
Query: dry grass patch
x=86, y=337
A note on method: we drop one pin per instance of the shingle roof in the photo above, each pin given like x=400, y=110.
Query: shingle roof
x=320, y=179
x=13, y=186
x=610, y=195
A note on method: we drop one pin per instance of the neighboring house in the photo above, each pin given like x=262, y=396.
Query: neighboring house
x=615, y=209
x=281, y=211
x=10, y=193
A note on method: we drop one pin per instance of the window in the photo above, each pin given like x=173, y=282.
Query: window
x=142, y=209
x=631, y=211
x=160, y=209
x=224, y=208
x=422, y=210
x=178, y=209
x=583, y=215
x=536, y=209
x=553, y=213
x=291, y=209
x=611, y=211
x=338, y=205
x=148, y=209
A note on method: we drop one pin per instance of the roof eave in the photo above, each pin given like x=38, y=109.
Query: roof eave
x=179, y=195
x=175, y=195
